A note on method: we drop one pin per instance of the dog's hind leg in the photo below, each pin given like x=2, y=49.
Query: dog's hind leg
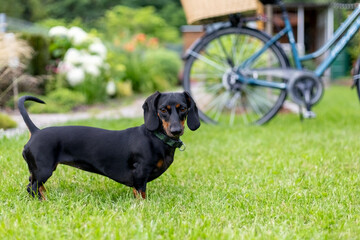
x=40, y=169
x=28, y=188
x=36, y=189
x=29, y=159
x=36, y=186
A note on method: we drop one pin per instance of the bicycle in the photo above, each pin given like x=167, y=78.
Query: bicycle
x=237, y=72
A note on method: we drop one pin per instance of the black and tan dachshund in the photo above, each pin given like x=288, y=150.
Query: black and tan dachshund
x=133, y=156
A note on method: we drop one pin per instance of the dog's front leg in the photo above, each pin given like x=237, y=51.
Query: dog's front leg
x=140, y=188
x=140, y=176
x=139, y=193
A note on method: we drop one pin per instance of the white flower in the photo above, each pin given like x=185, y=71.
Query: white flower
x=77, y=35
x=95, y=60
x=92, y=70
x=98, y=48
x=75, y=76
x=73, y=56
x=58, y=31
x=91, y=64
x=111, y=88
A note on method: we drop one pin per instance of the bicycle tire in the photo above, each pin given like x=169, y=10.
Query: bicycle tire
x=356, y=74
x=205, y=60
x=358, y=88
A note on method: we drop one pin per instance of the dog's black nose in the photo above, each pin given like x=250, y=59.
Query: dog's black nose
x=176, y=131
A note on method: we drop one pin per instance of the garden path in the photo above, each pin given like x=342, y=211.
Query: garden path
x=44, y=120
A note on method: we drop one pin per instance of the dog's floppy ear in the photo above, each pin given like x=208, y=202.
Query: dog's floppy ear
x=193, y=121
x=150, y=112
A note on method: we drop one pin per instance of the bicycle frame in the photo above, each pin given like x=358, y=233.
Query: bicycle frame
x=351, y=25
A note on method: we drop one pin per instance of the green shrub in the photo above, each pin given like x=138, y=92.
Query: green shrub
x=163, y=66
x=137, y=74
x=59, y=101
x=54, y=82
x=49, y=107
x=6, y=122
x=58, y=47
x=66, y=97
x=52, y=22
x=153, y=69
x=93, y=89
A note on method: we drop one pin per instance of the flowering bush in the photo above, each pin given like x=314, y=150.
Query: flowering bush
x=80, y=59
x=134, y=43
x=137, y=60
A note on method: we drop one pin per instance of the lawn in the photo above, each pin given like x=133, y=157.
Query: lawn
x=286, y=180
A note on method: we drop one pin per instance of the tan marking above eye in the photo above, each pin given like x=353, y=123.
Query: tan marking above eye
x=177, y=105
x=168, y=107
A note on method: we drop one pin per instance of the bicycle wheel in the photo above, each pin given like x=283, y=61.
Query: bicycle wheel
x=214, y=63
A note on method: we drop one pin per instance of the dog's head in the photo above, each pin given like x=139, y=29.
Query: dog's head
x=168, y=111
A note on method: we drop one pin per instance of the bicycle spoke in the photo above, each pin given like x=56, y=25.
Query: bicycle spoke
x=208, y=61
x=241, y=54
x=215, y=57
x=269, y=62
x=263, y=104
x=214, y=102
x=229, y=60
x=233, y=102
x=236, y=43
x=260, y=96
x=254, y=105
x=216, y=87
x=207, y=75
x=217, y=105
x=245, y=115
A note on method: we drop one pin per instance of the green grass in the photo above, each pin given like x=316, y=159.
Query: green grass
x=286, y=180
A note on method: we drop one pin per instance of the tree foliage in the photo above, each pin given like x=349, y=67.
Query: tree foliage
x=30, y=10
x=143, y=20
x=87, y=10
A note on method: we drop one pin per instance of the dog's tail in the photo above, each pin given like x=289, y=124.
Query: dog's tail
x=31, y=126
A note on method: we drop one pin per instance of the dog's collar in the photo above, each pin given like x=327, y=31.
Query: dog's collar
x=169, y=141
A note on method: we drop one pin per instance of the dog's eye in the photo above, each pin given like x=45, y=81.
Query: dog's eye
x=183, y=109
x=163, y=110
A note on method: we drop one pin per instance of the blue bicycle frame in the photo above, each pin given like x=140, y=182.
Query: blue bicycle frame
x=351, y=24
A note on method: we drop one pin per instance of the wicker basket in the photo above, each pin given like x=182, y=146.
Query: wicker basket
x=205, y=11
